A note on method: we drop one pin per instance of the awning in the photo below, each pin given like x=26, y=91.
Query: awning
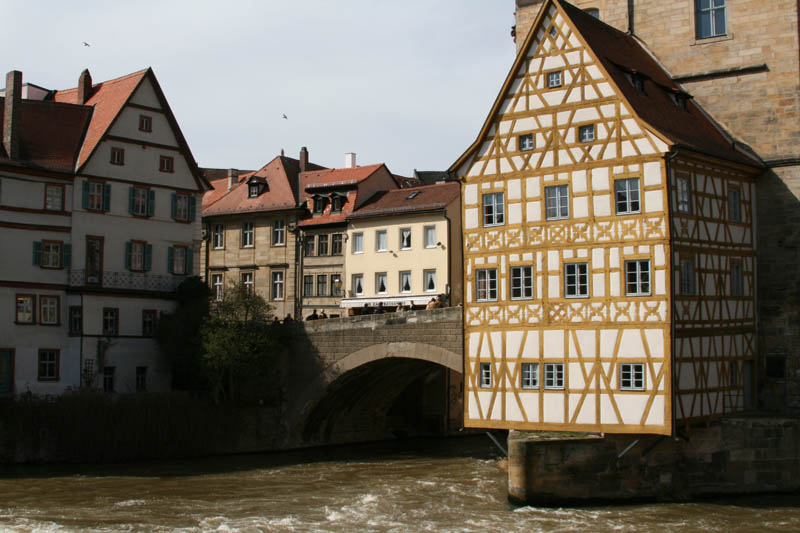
x=389, y=301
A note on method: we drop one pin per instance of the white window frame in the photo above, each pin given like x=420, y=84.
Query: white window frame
x=140, y=201
x=586, y=133
x=627, y=196
x=247, y=280
x=181, y=207
x=358, y=243
x=48, y=309
x=54, y=202
x=248, y=234
x=252, y=190
x=405, y=243
x=556, y=198
x=684, y=194
x=638, y=280
x=521, y=279
x=687, y=278
x=357, y=281
x=485, y=375
x=554, y=376
x=279, y=233
x=381, y=240
x=405, y=275
x=218, y=236
x=51, y=254
x=216, y=286
x=378, y=277
x=526, y=142
x=529, y=376
x=179, y=260
x=486, y=277
x=137, y=255
x=554, y=79
x=493, y=209
x=576, y=289
x=277, y=284
x=710, y=10
x=632, y=376
x=429, y=275
x=96, y=190
x=430, y=236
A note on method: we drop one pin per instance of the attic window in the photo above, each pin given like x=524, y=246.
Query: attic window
x=337, y=202
x=412, y=195
x=679, y=99
x=554, y=79
x=319, y=204
x=526, y=142
x=637, y=80
x=145, y=123
x=254, y=190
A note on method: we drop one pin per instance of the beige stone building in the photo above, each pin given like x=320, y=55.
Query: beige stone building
x=740, y=60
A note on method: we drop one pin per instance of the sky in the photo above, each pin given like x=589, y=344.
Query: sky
x=407, y=83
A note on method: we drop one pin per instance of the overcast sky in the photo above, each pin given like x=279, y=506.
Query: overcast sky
x=407, y=83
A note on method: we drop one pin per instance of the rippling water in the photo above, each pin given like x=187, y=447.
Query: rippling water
x=453, y=485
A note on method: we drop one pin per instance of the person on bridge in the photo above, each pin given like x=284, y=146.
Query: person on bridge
x=323, y=315
x=313, y=316
x=431, y=304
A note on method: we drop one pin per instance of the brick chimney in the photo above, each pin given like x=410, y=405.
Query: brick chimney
x=84, y=86
x=233, y=177
x=11, y=125
x=303, y=159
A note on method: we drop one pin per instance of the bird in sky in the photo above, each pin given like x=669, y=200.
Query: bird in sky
x=284, y=116
x=86, y=44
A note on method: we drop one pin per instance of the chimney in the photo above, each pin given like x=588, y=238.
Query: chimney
x=350, y=160
x=303, y=159
x=13, y=97
x=84, y=86
x=233, y=177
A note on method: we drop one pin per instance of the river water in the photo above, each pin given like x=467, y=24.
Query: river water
x=441, y=485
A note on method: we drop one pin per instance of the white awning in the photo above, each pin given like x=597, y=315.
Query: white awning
x=388, y=301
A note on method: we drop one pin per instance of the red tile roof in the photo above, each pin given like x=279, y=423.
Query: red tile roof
x=279, y=195
x=400, y=201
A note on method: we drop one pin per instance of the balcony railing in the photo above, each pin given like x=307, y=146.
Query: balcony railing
x=135, y=281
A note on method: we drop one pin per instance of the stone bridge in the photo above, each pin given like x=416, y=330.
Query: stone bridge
x=375, y=377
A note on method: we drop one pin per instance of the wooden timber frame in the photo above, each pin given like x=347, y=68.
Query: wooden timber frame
x=687, y=367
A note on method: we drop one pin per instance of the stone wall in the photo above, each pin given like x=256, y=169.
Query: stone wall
x=737, y=456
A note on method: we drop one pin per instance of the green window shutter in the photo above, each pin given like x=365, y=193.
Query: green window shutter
x=151, y=202
x=128, y=246
x=106, y=197
x=37, y=253
x=170, y=259
x=148, y=257
x=174, y=206
x=66, y=255
x=191, y=208
x=131, y=199
x=189, y=268
x=85, y=200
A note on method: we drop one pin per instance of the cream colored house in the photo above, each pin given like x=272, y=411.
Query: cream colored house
x=403, y=247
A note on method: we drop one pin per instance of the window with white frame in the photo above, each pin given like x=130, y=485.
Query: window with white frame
x=246, y=279
x=493, y=209
x=181, y=207
x=54, y=197
x=139, y=201
x=179, y=260
x=586, y=133
x=277, y=285
x=429, y=278
x=684, y=195
x=278, y=233
x=637, y=277
x=48, y=365
x=253, y=190
x=556, y=199
x=358, y=284
x=530, y=375
x=48, y=310
x=521, y=283
x=486, y=284
x=737, y=285
x=430, y=236
x=554, y=79
x=405, y=281
x=381, y=241
x=486, y=375
x=687, y=277
x=218, y=236
x=380, y=283
x=631, y=376
x=626, y=192
x=709, y=18
x=526, y=142
x=405, y=238
x=576, y=280
x=117, y=156
x=25, y=308
x=110, y=322
x=734, y=205
x=248, y=234
x=216, y=286
x=95, y=196
x=358, y=243
x=554, y=375
x=136, y=258
x=51, y=254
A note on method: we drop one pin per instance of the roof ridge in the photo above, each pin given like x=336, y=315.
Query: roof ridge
x=106, y=82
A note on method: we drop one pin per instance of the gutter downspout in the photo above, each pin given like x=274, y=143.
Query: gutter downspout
x=207, y=239
x=673, y=364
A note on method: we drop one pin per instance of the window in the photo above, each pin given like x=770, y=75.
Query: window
x=554, y=375
x=216, y=286
x=96, y=196
x=381, y=241
x=322, y=285
x=310, y=249
x=148, y=322
x=247, y=281
x=94, y=260
x=218, y=236
x=48, y=364
x=117, y=156
x=380, y=283
x=631, y=376
x=430, y=236
x=405, y=238
x=108, y=378
x=336, y=285
x=279, y=233
x=576, y=280
x=734, y=205
x=336, y=244
x=166, y=164
x=110, y=322
x=554, y=79
x=49, y=310
x=530, y=375
x=521, y=283
x=684, y=196
x=47, y=254
x=337, y=202
x=586, y=133
x=252, y=191
x=736, y=279
x=526, y=142
x=141, y=378
x=138, y=256
x=553, y=31
x=405, y=281
x=25, y=308
x=593, y=11
x=637, y=81
x=679, y=99
x=413, y=195
x=141, y=202
x=145, y=123
x=54, y=197
x=179, y=260
x=358, y=284
x=429, y=277
x=183, y=207
x=493, y=209
x=319, y=204
x=486, y=375
x=486, y=285
x=358, y=243
x=637, y=278
x=687, y=277
x=627, y=196
x=75, y=320
x=322, y=245
x=277, y=285
x=308, y=286
x=557, y=202
x=710, y=16
x=248, y=235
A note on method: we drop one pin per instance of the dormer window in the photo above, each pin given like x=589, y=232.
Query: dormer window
x=253, y=190
x=256, y=187
x=319, y=204
x=637, y=80
x=679, y=99
x=337, y=202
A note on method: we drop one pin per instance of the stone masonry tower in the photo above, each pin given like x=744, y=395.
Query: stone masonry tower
x=741, y=61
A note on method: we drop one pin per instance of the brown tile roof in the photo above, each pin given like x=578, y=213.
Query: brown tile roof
x=220, y=201
x=404, y=201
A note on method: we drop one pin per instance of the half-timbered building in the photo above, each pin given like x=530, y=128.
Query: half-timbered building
x=608, y=243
